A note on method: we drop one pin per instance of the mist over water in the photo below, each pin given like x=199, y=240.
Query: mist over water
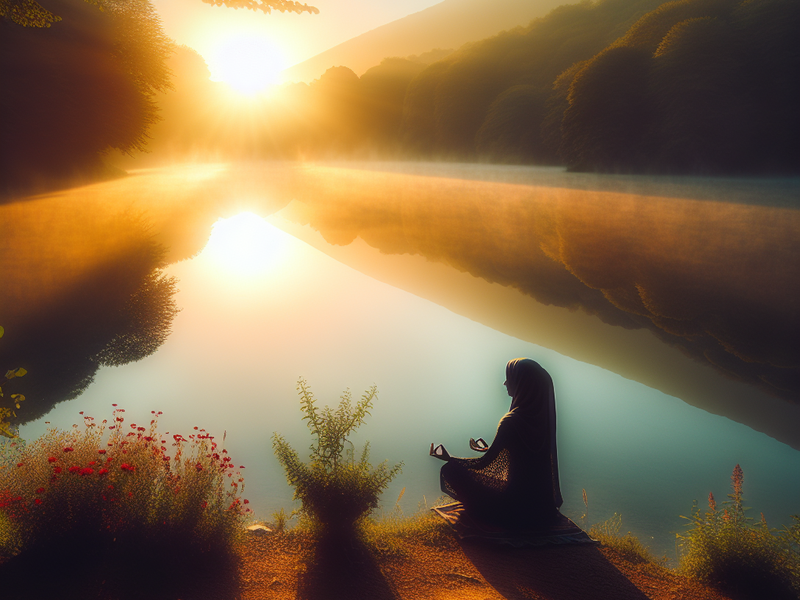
x=244, y=337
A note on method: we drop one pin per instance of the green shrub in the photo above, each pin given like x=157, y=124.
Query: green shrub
x=608, y=534
x=723, y=548
x=335, y=487
x=119, y=491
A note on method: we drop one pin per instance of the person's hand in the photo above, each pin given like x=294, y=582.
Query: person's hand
x=439, y=452
x=478, y=445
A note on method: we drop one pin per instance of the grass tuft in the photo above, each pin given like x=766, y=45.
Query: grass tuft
x=608, y=534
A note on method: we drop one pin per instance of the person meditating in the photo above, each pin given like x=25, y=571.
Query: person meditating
x=515, y=484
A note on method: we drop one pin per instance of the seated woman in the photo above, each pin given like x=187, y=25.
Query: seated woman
x=515, y=483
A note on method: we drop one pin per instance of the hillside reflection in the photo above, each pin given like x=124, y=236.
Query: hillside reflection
x=717, y=280
x=98, y=298
x=586, y=265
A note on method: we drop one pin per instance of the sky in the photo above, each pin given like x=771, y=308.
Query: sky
x=289, y=38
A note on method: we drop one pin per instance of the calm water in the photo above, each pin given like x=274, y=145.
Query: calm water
x=258, y=314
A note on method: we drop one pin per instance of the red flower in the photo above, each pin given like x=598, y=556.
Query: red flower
x=40, y=491
x=247, y=501
x=127, y=467
x=20, y=464
x=68, y=449
x=51, y=459
x=87, y=471
x=94, y=462
x=102, y=471
x=140, y=429
x=57, y=470
x=101, y=451
x=37, y=501
x=74, y=469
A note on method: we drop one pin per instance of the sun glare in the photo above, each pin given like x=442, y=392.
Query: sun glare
x=244, y=245
x=248, y=63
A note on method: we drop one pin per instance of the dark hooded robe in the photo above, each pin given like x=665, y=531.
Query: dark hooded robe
x=515, y=482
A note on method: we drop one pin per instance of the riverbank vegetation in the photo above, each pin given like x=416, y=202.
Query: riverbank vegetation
x=725, y=549
x=116, y=510
x=153, y=511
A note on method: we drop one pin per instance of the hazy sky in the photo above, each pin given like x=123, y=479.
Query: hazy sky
x=295, y=37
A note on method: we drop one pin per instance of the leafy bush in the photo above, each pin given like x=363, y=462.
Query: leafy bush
x=336, y=488
x=724, y=548
x=102, y=492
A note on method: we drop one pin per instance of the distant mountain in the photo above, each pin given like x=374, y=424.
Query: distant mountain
x=448, y=24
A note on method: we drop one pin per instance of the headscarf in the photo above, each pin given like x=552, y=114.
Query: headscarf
x=534, y=399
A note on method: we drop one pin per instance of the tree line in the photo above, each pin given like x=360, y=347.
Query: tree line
x=690, y=86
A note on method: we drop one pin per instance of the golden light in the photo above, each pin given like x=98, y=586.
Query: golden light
x=244, y=245
x=248, y=63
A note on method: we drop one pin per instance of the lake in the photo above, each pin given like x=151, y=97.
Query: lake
x=424, y=279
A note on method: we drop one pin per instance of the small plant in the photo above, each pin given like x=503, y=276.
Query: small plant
x=6, y=412
x=335, y=487
x=280, y=519
x=724, y=548
x=119, y=491
x=608, y=534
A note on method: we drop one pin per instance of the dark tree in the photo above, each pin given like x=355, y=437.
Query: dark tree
x=606, y=126
x=383, y=90
x=74, y=91
x=511, y=131
x=29, y=13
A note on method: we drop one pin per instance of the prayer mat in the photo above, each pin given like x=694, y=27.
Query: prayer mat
x=562, y=531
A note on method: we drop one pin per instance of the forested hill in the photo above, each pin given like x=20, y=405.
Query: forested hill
x=692, y=86
x=622, y=85
x=448, y=24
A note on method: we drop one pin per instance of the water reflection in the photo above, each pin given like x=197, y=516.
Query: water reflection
x=241, y=341
x=239, y=345
x=109, y=308
x=715, y=280
x=244, y=245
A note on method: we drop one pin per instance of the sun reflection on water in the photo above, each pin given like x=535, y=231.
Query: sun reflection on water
x=244, y=245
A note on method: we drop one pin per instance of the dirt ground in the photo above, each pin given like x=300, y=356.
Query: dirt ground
x=280, y=567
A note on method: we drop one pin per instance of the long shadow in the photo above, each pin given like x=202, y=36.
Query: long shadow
x=569, y=572
x=343, y=567
x=80, y=569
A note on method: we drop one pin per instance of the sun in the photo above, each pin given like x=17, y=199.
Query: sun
x=244, y=245
x=250, y=64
